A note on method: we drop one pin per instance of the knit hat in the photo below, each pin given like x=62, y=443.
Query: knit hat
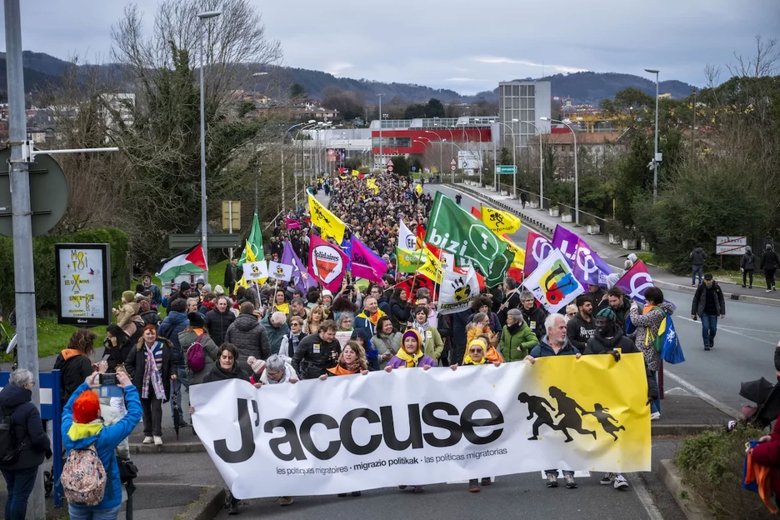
x=219, y=290
x=128, y=296
x=607, y=313
x=207, y=288
x=256, y=364
x=196, y=320
x=414, y=334
x=86, y=407
x=325, y=293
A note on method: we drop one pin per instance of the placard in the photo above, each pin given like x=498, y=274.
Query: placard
x=83, y=275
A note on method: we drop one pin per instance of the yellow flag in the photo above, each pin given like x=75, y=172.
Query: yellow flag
x=355, y=173
x=250, y=255
x=519, y=252
x=498, y=221
x=329, y=224
x=419, y=189
x=432, y=267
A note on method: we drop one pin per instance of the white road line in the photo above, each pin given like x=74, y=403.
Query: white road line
x=703, y=395
x=644, y=497
x=726, y=328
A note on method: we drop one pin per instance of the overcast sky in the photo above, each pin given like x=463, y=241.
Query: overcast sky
x=463, y=46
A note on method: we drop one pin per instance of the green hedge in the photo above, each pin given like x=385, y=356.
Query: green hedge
x=43, y=264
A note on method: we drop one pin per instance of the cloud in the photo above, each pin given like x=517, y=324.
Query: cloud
x=458, y=79
x=502, y=60
x=337, y=68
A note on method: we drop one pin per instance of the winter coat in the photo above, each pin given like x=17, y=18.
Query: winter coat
x=396, y=362
x=314, y=356
x=543, y=349
x=136, y=365
x=514, y=346
x=151, y=318
x=535, y=319
x=249, y=337
x=275, y=334
x=386, y=343
x=700, y=300
x=513, y=302
x=74, y=367
x=363, y=321
x=432, y=342
x=105, y=441
x=218, y=323
x=28, y=429
x=126, y=313
x=217, y=373
x=650, y=321
x=748, y=261
x=400, y=313
x=116, y=355
x=601, y=345
x=580, y=331
x=186, y=338
x=770, y=260
x=697, y=256
x=172, y=325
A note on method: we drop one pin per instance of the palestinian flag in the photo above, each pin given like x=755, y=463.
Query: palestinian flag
x=190, y=260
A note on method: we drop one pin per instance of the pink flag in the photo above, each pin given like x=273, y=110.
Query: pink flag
x=365, y=263
x=292, y=223
x=537, y=248
x=636, y=281
x=327, y=263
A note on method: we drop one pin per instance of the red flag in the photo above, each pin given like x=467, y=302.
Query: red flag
x=419, y=281
x=476, y=212
x=420, y=231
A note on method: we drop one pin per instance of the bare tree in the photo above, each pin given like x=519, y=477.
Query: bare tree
x=763, y=63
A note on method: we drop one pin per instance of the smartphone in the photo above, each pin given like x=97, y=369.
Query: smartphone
x=108, y=386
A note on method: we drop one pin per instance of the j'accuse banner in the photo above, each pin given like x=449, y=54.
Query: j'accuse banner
x=417, y=427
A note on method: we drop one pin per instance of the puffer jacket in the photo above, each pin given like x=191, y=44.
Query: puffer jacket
x=218, y=323
x=515, y=346
x=75, y=366
x=186, y=338
x=275, y=334
x=174, y=323
x=28, y=429
x=249, y=337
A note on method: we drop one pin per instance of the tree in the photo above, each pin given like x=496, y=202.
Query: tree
x=349, y=104
x=163, y=184
x=297, y=91
x=400, y=165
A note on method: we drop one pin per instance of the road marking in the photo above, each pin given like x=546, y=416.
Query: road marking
x=644, y=497
x=726, y=328
x=703, y=395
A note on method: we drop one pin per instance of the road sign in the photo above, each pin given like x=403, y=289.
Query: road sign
x=215, y=240
x=452, y=167
x=506, y=168
x=48, y=194
x=730, y=245
x=231, y=215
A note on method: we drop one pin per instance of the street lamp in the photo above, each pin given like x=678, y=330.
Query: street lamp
x=656, y=157
x=284, y=136
x=206, y=15
x=576, y=176
x=381, y=149
x=541, y=164
x=441, y=147
x=514, y=158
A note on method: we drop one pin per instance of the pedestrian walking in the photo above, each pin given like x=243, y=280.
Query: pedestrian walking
x=708, y=304
x=769, y=263
x=747, y=265
x=697, y=264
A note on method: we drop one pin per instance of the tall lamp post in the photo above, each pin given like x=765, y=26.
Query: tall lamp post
x=576, y=175
x=381, y=148
x=541, y=164
x=284, y=136
x=441, y=147
x=656, y=158
x=206, y=15
x=514, y=158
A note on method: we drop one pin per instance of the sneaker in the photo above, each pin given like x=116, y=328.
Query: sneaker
x=473, y=486
x=157, y=441
x=620, y=482
x=285, y=501
x=655, y=416
x=768, y=290
x=607, y=479
x=743, y=286
x=570, y=484
x=147, y=440
x=552, y=480
x=707, y=347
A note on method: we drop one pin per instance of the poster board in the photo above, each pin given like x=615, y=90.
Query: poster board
x=83, y=275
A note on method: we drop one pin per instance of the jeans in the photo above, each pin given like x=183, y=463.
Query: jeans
x=152, y=408
x=709, y=326
x=655, y=404
x=19, y=483
x=697, y=269
x=88, y=513
x=770, y=278
x=747, y=273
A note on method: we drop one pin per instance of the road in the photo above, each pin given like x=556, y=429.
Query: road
x=744, y=345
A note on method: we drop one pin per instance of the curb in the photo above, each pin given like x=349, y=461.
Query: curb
x=182, y=447
x=691, y=504
x=747, y=298
x=211, y=501
x=681, y=430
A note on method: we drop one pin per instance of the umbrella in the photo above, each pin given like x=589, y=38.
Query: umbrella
x=176, y=409
x=756, y=391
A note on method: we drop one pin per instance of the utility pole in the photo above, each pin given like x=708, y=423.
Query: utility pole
x=381, y=151
x=24, y=277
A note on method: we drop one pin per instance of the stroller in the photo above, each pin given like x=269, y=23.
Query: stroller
x=767, y=398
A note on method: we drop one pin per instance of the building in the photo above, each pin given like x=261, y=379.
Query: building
x=520, y=105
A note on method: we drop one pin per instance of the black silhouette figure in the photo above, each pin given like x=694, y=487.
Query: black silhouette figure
x=604, y=418
x=568, y=408
x=536, y=406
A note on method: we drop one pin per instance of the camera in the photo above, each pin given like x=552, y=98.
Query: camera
x=107, y=379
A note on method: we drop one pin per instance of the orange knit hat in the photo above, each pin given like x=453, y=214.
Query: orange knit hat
x=86, y=407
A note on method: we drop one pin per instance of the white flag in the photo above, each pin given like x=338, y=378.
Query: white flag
x=406, y=239
x=279, y=271
x=255, y=270
x=458, y=290
x=553, y=283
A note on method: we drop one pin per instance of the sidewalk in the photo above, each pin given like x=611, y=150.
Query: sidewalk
x=614, y=254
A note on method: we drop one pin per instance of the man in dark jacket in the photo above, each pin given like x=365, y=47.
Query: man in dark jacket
x=769, y=263
x=219, y=319
x=317, y=352
x=512, y=300
x=174, y=323
x=581, y=327
x=708, y=303
x=533, y=315
x=74, y=363
x=697, y=264
x=20, y=475
x=277, y=329
x=619, y=303
x=249, y=336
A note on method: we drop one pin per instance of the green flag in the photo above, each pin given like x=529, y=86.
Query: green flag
x=408, y=261
x=454, y=230
x=498, y=268
x=255, y=241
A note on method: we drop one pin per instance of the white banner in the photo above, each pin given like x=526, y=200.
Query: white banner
x=279, y=271
x=418, y=427
x=457, y=291
x=255, y=270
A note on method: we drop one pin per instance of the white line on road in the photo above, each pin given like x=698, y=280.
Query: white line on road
x=731, y=330
x=703, y=395
x=644, y=497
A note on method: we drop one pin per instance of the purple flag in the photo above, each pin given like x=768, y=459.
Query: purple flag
x=300, y=277
x=537, y=248
x=588, y=266
x=566, y=242
x=365, y=263
x=636, y=281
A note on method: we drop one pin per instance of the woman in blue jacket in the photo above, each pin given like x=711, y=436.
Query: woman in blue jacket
x=85, y=427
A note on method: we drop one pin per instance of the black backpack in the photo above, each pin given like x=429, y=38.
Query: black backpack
x=9, y=448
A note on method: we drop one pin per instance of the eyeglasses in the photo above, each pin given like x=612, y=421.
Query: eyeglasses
x=475, y=351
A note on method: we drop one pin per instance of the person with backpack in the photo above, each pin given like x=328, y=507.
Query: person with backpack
x=90, y=477
x=74, y=362
x=23, y=442
x=200, y=351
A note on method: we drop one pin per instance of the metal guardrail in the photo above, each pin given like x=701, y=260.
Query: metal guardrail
x=530, y=221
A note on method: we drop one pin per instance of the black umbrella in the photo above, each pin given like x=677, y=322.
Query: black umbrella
x=756, y=391
x=176, y=409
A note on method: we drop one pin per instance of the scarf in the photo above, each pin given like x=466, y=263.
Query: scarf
x=152, y=375
x=411, y=360
x=344, y=370
x=82, y=431
x=513, y=328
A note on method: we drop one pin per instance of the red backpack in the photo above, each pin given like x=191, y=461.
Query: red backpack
x=196, y=355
